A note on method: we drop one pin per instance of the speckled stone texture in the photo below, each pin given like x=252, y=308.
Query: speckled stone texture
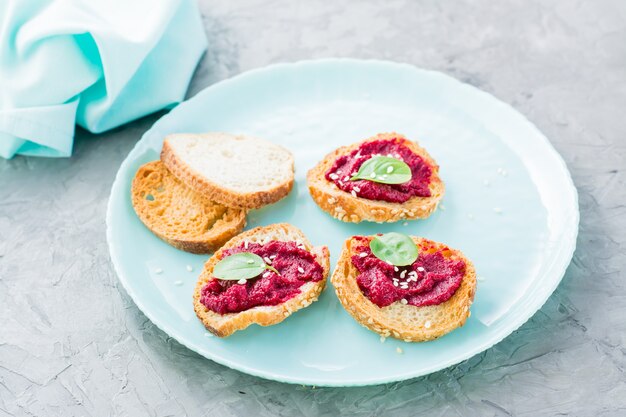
x=72, y=343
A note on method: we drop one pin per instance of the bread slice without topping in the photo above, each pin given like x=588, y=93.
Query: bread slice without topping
x=404, y=321
x=235, y=170
x=224, y=325
x=344, y=206
x=179, y=215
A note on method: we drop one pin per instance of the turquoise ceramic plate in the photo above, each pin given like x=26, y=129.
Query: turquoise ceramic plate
x=510, y=206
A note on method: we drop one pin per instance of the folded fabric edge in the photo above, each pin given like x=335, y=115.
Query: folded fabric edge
x=33, y=149
x=10, y=146
x=51, y=127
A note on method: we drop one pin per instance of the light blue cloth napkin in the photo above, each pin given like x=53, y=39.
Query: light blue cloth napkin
x=97, y=63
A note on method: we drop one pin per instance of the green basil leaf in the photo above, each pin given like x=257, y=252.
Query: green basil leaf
x=242, y=265
x=385, y=170
x=394, y=248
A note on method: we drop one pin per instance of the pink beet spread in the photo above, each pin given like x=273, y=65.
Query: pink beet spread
x=268, y=289
x=437, y=276
x=347, y=165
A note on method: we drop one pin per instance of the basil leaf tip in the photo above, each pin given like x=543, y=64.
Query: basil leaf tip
x=242, y=265
x=395, y=248
x=385, y=170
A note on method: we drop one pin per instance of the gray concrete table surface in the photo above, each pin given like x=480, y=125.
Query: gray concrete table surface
x=72, y=343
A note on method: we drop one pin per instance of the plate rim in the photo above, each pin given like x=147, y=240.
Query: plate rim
x=568, y=241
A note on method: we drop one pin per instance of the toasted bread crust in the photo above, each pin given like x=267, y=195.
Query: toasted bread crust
x=343, y=206
x=216, y=192
x=406, y=322
x=226, y=324
x=153, y=176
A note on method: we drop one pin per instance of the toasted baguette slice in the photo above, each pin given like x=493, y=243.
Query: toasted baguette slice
x=345, y=207
x=406, y=322
x=180, y=216
x=226, y=324
x=237, y=171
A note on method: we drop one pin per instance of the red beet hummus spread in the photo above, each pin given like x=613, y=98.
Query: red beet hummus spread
x=347, y=165
x=296, y=266
x=432, y=279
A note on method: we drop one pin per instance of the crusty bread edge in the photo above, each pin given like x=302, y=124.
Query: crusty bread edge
x=227, y=324
x=343, y=206
x=378, y=320
x=208, y=243
x=206, y=246
x=218, y=193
